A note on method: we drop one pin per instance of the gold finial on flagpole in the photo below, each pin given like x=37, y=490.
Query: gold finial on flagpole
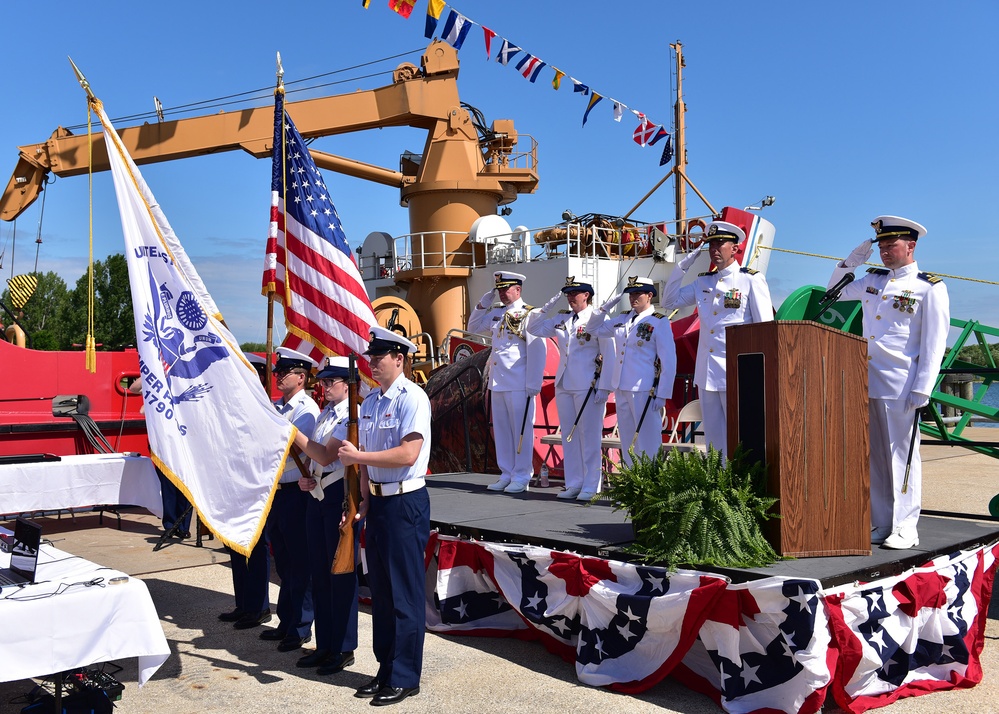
x=81, y=79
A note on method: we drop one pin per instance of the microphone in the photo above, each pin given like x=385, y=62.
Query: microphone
x=833, y=292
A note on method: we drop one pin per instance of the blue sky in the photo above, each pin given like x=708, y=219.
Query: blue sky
x=842, y=111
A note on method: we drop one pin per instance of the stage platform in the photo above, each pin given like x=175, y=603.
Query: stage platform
x=461, y=506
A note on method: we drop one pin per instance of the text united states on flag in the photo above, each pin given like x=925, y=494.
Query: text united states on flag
x=309, y=267
x=624, y=626
x=920, y=632
x=764, y=647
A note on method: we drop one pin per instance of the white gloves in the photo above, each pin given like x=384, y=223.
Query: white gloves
x=602, y=395
x=611, y=302
x=916, y=400
x=690, y=258
x=859, y=255
x=487, y=300
x=551, y=303
x=532, y=393
x=659, y=403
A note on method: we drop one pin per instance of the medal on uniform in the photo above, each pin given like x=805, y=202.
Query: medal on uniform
x=581, y=334
x=905, y=302
x=644, y=333
x=733, y=299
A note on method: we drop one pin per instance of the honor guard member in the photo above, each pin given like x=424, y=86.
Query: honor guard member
x=726, y=295
x=516, y=369
x=334, y=596
x=393, y=453
x=251, y=576
x=579, y=393
x=906, y=319
x=286, y=520
x=644, y=364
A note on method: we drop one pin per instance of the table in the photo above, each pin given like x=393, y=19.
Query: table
x=79, y=481
x=59, y=623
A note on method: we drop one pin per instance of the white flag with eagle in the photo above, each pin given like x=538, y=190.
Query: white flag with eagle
x=212, y=428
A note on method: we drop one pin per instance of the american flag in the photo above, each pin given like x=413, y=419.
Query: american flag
x=309, y=267
x=919, y=632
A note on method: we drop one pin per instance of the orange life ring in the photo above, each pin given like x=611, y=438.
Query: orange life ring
x=687, y=241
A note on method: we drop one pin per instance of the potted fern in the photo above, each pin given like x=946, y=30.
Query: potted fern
x=695, y=508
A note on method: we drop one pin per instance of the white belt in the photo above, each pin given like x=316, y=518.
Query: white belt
x=394, y=488
x=324, y=481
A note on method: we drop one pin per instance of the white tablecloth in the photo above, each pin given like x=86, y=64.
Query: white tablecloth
x=80, y=481
x=59, y=623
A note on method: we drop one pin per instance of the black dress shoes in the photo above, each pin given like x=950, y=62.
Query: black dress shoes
x=393, y=695
x=232, y=616
x=336, y=663
x=315, y=659
x=274, y=635
x=369, y=690
x=293, y=642
x=252, y=619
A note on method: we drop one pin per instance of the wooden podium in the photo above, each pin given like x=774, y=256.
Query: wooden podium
x=797, y=398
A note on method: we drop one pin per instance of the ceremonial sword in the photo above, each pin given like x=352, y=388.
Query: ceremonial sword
x=586, y=399
x=652, y=392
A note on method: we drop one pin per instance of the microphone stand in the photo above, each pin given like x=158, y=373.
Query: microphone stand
x=832, y=295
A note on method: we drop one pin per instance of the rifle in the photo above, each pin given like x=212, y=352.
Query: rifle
x=343, y=561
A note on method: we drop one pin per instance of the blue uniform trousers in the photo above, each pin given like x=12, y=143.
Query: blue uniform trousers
x=397, y=532
x=286, y=533
x=174, y=505
x=251, y=578
x=334, y=596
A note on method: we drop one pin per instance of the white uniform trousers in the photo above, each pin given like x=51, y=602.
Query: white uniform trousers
x=891, y=431
x=629, y=412
x=508, y=415
x=581, y=456
x=714, y=418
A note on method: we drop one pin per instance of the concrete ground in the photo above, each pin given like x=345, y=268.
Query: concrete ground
x=214, y=668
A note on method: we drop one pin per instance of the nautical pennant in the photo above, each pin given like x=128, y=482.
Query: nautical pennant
x=594, y=98
x=578, y=86
x=456, y=29
x=530, y=66
x=403, y=7
x=557, y=80
x=506, y=53
x=434, y=10
x=488, y=36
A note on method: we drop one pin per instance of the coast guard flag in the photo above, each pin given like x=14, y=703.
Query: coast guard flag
x=309, y=267
x=456, y=29
x=212, y=430
x=920, y=632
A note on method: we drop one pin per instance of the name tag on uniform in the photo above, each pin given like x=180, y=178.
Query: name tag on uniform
x=388, y=424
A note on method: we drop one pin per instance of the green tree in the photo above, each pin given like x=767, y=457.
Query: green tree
x=114, y=325
x=43, y=312
x=253, y=347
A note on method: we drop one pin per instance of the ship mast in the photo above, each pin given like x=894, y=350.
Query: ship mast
x=679, y=145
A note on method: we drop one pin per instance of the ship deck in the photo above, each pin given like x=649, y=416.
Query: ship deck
x=461, y=506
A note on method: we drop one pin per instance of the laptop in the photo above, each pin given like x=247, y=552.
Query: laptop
x=23, y=554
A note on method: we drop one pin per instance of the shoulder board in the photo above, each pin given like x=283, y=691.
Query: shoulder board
x=749, y=271
x=528, y=307
x=701, y=275
x=564, y=312
x=930, y=278
x=878, y=271
x=658, y=315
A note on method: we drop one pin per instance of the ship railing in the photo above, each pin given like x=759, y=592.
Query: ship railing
x=507, y=159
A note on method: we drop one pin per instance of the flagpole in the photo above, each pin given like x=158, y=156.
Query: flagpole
x=279, y=87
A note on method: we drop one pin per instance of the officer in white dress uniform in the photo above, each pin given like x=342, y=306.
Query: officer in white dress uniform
x=643, y=343
x=906, y=319
x=577, y=371
x=516, y=369
x=726, y=295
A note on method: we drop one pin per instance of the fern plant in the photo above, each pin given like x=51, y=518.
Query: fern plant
x=695, y=508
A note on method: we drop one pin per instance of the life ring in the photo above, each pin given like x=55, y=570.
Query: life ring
x=687, y=241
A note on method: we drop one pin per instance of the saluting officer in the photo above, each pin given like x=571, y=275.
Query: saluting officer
x=906, y=319
x=726, y=295
x=578, y=366
x=333, y=595
x=286, y=520
x=516, y=370
x=644, y=364
x=393, y=454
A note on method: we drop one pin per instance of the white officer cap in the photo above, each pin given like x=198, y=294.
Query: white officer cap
x=505, y=279
x=334, y=367
x=384, y=340
x=290, y=359
x=886, y=227
x=722, y=230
